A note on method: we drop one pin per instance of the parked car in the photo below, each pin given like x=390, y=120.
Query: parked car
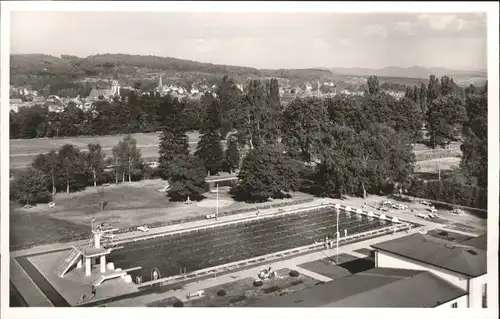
x=423, y=216
x=387, y=202
x=457, y=211
x=143, y=228
x=432, y=210
x=426, y=203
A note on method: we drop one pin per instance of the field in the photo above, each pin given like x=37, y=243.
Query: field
x=22, y=152
x=129, y=205
x=230, y=243
x=242, y=293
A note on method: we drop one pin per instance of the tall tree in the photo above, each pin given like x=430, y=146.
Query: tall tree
x=209, y=150
x=187, y=178
x=266, y=172
x=30, y=186
x=232, y=154
x=71, y=165
x=49, y=165
x=373, y=85
x=303, y=122
x=95, y=161
x=173, y=142
x=445, y=117
x=433, y=89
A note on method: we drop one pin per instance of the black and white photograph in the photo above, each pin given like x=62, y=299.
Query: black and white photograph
x=256, y=158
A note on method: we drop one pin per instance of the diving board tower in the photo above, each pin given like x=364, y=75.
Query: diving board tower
x=85, y=255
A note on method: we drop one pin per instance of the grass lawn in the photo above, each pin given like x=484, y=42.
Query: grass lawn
x=22, y=152
x=347, y=265
x=242, y=293
x=129, y=205
x=451, y=236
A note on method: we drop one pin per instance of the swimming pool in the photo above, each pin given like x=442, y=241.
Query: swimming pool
x=169, y=255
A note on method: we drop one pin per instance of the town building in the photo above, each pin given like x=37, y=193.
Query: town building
x=462, y=265
x=415, y=271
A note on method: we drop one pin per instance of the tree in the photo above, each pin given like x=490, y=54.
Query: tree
x=266, y=172
x=132, y=156
x=303, y=122
x=187, y=178
x=30, y=186
x=49, y=165
x=70, y=161
x=433, y=89
x=445, y=117
x=209, y=150
x=173, y=142
x=232, y=154
x=408, y=118
x=127, y=158
x=95, y=161
x=228, y=99
x=475, y=145
x=373, y=85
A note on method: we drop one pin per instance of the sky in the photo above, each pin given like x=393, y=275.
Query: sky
x=262, y=40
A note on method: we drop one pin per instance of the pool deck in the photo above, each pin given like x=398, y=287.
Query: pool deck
x=27, y=287
x=252, y=272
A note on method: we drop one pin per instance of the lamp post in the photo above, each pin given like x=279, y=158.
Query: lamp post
x=337, y=254
x=217, y=210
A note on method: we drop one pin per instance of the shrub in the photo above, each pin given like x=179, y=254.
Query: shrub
x=221, y=293
x=293, y=273
x=178, y=303
x=258, y=283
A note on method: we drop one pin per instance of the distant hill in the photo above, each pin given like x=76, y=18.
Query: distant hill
x=40, y=71
x=412, y=72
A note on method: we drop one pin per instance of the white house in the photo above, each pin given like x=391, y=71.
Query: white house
x=462, y=265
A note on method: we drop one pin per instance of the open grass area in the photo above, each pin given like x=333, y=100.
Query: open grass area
x=344, y=265
x=129, y=205
x=22, y=152
x=242, y=292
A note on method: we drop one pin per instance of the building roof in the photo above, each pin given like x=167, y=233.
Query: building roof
x=378, y=287
x=457, y=257
x=477, y=242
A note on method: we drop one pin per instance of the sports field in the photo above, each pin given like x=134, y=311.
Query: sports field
x=230, y=243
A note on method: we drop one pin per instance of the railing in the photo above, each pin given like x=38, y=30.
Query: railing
x=273, y=256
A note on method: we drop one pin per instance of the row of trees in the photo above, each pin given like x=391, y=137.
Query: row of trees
x=70, y=169
x=130, y=114
x=341, y=145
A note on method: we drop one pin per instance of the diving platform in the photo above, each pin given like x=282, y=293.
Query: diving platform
x=98, y=247
x=113, y=275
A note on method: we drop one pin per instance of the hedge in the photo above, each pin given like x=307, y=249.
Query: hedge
x=450, y=191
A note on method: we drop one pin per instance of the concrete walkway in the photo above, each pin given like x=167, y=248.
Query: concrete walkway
x=27, y=287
